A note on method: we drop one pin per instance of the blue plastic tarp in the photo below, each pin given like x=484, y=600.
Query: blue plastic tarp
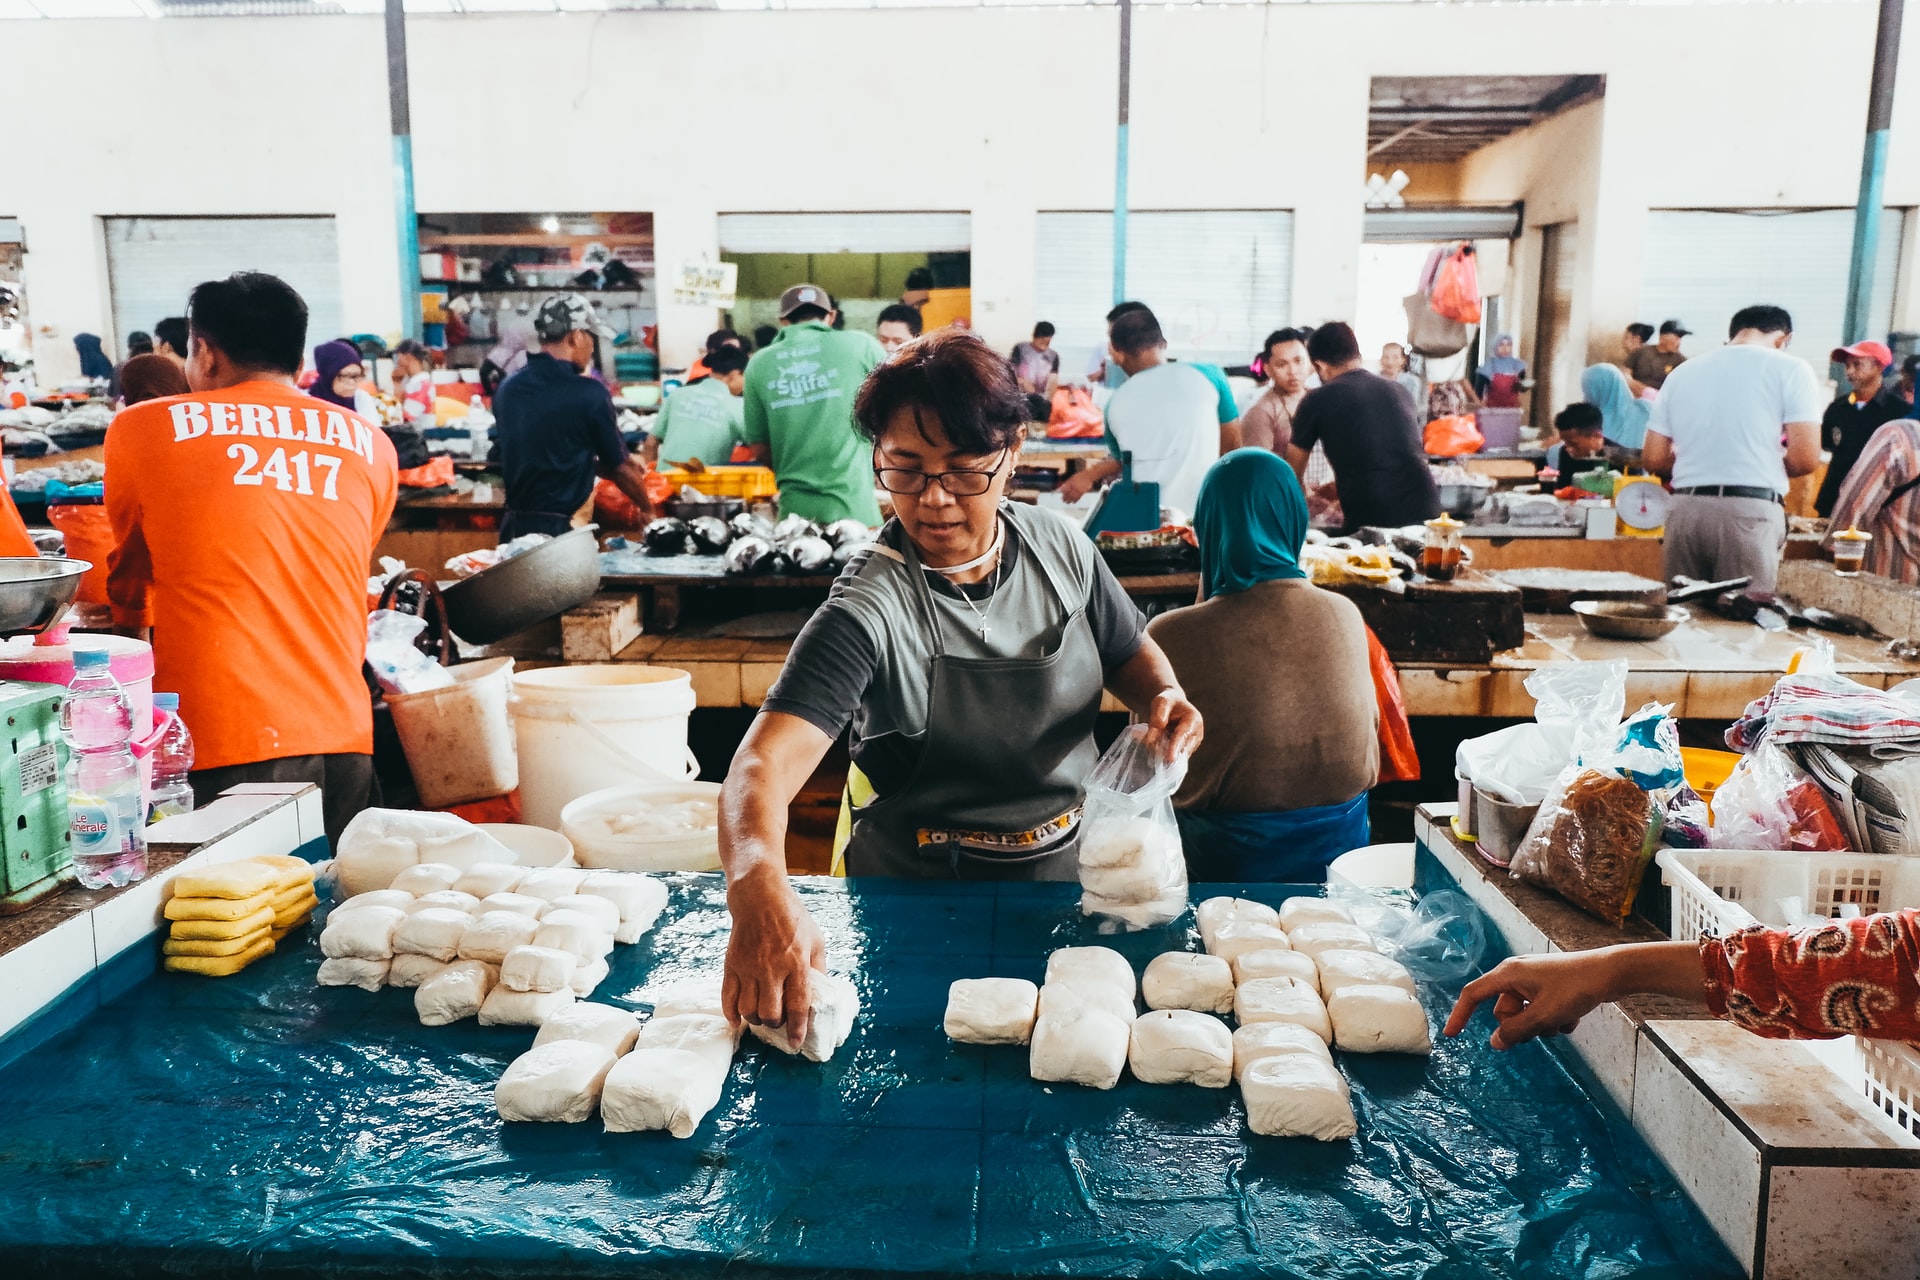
x=260, y=1124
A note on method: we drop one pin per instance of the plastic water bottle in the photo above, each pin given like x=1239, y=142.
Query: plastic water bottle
x=104, y=803
x=479, y=430
x=171, y=793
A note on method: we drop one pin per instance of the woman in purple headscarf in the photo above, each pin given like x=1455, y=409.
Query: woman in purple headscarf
x=340, y=371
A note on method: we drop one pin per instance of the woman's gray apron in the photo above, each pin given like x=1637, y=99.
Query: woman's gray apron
x=1009, y=742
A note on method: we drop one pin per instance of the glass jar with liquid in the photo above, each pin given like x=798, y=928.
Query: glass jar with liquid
x=1440, y=558
x=1850, y=551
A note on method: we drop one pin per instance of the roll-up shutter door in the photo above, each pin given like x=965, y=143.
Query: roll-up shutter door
x=154, y=263
x=1219, y=280
x=1702, y=266
x=845, y=232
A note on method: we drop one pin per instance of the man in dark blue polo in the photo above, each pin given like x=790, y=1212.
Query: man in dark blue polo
x=557, y=427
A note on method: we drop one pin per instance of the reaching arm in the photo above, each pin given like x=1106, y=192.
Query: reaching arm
x=1229, y=437
x=774, y=941
x=1803, y=448
x=1147, y=684
x=1297, y=458
x=1547, y=995
x=1084, y=481
x=1656, y=455
x=630, y=478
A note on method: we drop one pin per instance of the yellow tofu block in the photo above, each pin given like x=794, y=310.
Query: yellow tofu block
x=280, y=934
x=293, y=873
x=220, y=930
x=213, y=946
x=294, y=918
x=301, y=895
x=219, y=966
x=239, y=880
x=188, y=907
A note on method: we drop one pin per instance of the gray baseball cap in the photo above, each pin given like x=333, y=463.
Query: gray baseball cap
x=563, y=313
x=804, y=295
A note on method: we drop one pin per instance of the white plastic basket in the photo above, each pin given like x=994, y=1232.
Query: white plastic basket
x=1893, y=1080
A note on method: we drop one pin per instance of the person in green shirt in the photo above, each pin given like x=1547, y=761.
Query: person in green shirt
x=705, y=418
x=799, y=411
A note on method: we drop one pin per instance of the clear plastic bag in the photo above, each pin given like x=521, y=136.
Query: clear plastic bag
x=381, y=843
x=1769, y=802
x=1577, y=709
x=1133, y=867
x=397, y=663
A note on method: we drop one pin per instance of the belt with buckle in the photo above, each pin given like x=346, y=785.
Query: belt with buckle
x=1731, y=491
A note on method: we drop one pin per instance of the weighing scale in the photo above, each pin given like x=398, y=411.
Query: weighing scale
x=1640, y=502
x=1128, y=506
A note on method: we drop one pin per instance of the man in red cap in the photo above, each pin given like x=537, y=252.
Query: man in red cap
x=1851, y=420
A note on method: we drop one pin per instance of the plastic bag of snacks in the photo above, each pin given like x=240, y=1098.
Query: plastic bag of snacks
x=1593, y=837
x=1769, y=802
x=1133, y=868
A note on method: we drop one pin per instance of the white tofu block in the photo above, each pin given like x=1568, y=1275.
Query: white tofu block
x=598, y=910
x=1181, y=1046
x=1214, y=912
x=1084, y=966
x=1239, y=937
x=1296, y=1095
x=504, y=1008
x=1183, y=980
x=411, y=971
x=570, y=931
x=434, y=931
x=690, y=995
x=1249, y=965
x=484, y=879
x=450, y=899
x=1312, y=939
x=1259, y=1040
x=518, y=904
x=1152, y=913
x=531, y=968
x=375, y=898
x=835, y=1004
x=1379, y=1020
x=549, y=883
x=706, y=1034
x=1141, y=882
x=1295, y=912
x=426, y=877
x=639, y=898
x=1123, y=842
x=455, y=992
x=1056, y=998
x=655, y=1089
x=1080, y=1045
x=558, y=1082
x=601, y=1024
x=991, y=1010
x=345, y=971
x=1282, y=1000
x=587, y=976
x=492, y=935
x=1339, y=969
x=362, y=933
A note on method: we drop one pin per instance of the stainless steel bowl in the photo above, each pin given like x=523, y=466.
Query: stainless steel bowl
x=1628, y=620
x=1463, y=500
x=530, y=588
x=35, y=592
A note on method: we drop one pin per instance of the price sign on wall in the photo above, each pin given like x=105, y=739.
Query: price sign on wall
x=706, y=284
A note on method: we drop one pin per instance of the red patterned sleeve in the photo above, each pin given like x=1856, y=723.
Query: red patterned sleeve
x=1844, y=978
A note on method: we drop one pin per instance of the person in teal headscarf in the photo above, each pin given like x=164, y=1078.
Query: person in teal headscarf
x=1623, y=418
x=1279, y=788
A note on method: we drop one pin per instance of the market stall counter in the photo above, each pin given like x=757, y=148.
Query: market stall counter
x=261, y=1125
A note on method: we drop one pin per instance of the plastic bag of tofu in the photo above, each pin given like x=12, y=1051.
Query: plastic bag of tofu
x=1133, y=868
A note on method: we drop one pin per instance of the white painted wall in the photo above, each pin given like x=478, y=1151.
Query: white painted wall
x=1005, y=112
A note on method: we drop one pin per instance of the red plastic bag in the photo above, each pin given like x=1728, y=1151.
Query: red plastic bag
x=1456, y=290
x=1452, y=436
x=613, y=509
x=89, y=537
x=1399, y=762
x=436, y=474
x=1074, y=416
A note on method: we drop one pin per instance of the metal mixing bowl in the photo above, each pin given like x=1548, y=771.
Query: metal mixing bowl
x=34, y=592
x=530, y=588
x=1464, y=500
x=1628, y=620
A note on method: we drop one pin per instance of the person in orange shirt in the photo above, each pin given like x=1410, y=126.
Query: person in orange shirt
x=244, y=516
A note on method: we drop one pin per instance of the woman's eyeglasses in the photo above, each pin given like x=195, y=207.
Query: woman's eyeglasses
x=959, y=483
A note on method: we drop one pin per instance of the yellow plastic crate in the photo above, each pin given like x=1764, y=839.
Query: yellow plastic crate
x=726, y=482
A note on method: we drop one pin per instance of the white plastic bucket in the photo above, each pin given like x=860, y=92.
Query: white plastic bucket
x=588, y=728
x=584, y=823
x=458, y=740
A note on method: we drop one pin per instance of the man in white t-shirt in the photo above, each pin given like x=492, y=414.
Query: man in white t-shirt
x=1164, y=414
x=1716, y=433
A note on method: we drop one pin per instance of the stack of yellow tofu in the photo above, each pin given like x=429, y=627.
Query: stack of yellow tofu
x=226, y=917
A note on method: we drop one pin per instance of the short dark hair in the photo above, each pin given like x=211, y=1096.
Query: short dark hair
x=1911, y=364
x=919, y=278
x=1765, y=318
x=255, y=320
x=173, y=332
x=1333, y=343
x=1278, y=336
x=803, y=314
x=763, y=334
x=723, y=338
x=726, y=360
x=900, y=311
x=1580, y=418
x=1644, y=332
x=139, y=343
x=1043, y=330
x=412, y=347
x=1123, y=308
x=956, y=376
x=1136, y=331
